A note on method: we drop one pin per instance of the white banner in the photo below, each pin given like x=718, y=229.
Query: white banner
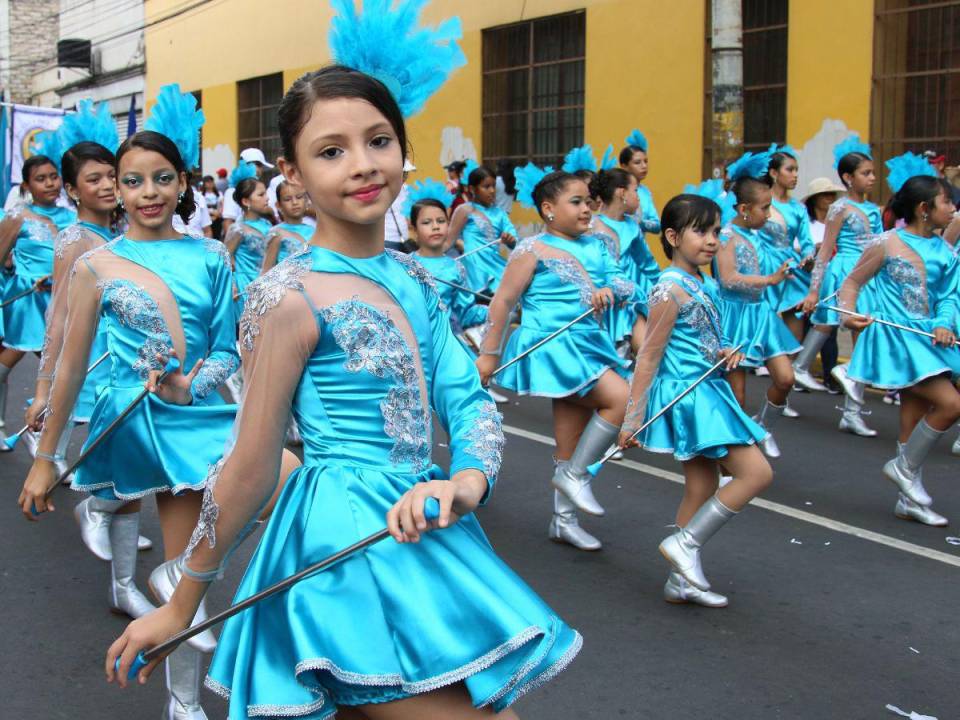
x=25, y=122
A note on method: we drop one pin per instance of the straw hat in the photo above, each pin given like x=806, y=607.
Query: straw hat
x=822, y=185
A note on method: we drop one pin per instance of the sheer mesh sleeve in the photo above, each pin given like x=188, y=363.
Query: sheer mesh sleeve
x=644, y=259
x=231, y=241
x=222, y=360
x=664, y=308
x=9, y=229
x=69, y=246
x=278, y=331
x=834, y=221
x=869, y=264
x=71, y=369
x=274, y=241
x=464, y=305
x=508, y=226
x=516, y=278
x=624, y=288
x=729, y=264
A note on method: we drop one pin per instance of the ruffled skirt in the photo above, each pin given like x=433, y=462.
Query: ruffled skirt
x=158, y=447
x=24, y=320
x=703, y=423
x=833, y=278
x=759, y=329
x=619, y=319
x=386, y=624
x=890, y=359
x=570, y=364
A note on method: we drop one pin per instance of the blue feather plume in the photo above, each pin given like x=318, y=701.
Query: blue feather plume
x=852, y=144
x=749, y=164
x=241, y=172
x=903, y=167
x=580, y=158
x=527, y=178
x=637, y=139
x=427, y=190
x=609, y=160
x=49, y=144
x=176, y=116
x=90, y=123
x=785, y=149
x=468, y=168
x=713, y=189
x=386, y=43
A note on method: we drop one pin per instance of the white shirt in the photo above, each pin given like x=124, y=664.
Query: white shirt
x=272, y=192
x=395, y=224
x=14, y=198
x=198, y=221
x=231, y=211
x=817, y=229
x=503, y=200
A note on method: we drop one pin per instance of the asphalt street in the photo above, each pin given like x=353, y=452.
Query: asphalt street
x=837, y=607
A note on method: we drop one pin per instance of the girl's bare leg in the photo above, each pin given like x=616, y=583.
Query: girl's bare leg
x=738, y=383
x=752, y=475
x=700, y=484
x=449, y=703
x=569, y=420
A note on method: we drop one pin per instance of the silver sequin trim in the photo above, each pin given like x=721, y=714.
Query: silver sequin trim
x=486, y=439
x=266, y=292
x=215, y=246
x=776, y=234
x=418, y=272
x=69, y=236
x=206, y=528
x=212, y=374
x=912, y=288
x=623, y=288
x=135, y=309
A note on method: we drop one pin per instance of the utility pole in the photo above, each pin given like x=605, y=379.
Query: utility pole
x=727, y=54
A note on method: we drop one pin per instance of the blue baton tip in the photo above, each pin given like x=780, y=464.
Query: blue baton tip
x=172, y=365
x=139, y=663
x=431, y=509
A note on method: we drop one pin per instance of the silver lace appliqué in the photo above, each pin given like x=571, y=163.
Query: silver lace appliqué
x=69, y=236
x=776, y=234
x=704, y=319
x=911, y=285
x=571, y=271
x=418, y=272
x=623, y=288
x=135, y=309
x=212, y=374
x=610, y=242
x=659, y=293
x=485, y=437
x=209, y=512
x=37, y=231
x=254, y=242
x=486, y=227
x=215, y=246
x=266, y=292
x=372, y=343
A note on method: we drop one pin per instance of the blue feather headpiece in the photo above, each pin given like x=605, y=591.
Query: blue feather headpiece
x=903, y=167
x=637, y=139
x=750, y=164
x=241, y=172
x=527, y=178
x=89, y=123
x=785, y=149
x=580, y=158
x=386, y=43
x=609, y=160
x=49, y=144
x=851, y=145
x=713, y=189
x=176, y=116
x=469, y=166
x=427, y=190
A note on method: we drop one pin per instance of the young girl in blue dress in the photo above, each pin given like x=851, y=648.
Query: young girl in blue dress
x=481, y=224
x=291, y=235
x=748, y=318
x=914, y=277
x=853, y=223
x=684, y=338
x=557, y=275
x=246, y=240
x=27, y=235
x=635, y=159
x=356, y=342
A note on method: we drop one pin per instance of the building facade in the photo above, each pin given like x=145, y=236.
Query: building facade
x=28, y=42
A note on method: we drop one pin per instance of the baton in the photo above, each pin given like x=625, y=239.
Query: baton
x=595, y=468
x=898, y=326
x=478, y=249
x=547, y=339
x=431, y=510
x=15, y=438
x=32, y=289
x=480, y=295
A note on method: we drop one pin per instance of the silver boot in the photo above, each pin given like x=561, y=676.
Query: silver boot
x=851, y=388
x=125, y=596
x=682, y=549
x=788, y=411
x=812, y=344
x=767, y=418
x=163, y=581
x=852, y=419
x=904, y=470
x=182, y=675
x=4, y=372
x=93, y=516
x=906, y=509
x=61, y=453
x=565, y=528
x=679, y=591
x=956, y=446
x=572, y=478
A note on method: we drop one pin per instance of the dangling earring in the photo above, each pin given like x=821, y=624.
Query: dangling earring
x=76, y=199
x=120, y=203
x=923, y=218
x=744, y=217
x=550, y=217
x=180, y=197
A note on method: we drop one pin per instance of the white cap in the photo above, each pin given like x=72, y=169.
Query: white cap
x=408, y=166
x=255, y=155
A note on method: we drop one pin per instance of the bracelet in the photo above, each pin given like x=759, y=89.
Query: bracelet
x=48, y=456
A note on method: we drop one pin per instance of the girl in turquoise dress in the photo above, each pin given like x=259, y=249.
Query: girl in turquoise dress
x=292, y=235
x=853, y=223
x=354, y=340
x=914, y=276
x=246, y=240
x=684, y=338
x=557, y=275
x=748, y=319
x=27, y=234
x=635, y=159
x=164, y=300
x=616, y=226
x=480, y=224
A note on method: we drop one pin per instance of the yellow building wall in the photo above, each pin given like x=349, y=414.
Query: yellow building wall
x=220, y=111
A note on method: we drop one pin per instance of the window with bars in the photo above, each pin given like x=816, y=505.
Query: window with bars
x=916, y=79
x=764, y=73
x=533, y=89
x=257, y=102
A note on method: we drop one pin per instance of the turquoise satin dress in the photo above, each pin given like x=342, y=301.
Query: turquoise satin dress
x=24, y=320
x=288, y=245
x=708, y=420
x=861, y=226
x=248, y=258
x=485, y=267
x=780, y=238
x=159, y=446
x=396, y=620
x=464, y=310
x=748, y=319
x=922, y=296
x=647, y=214
x=565, y=276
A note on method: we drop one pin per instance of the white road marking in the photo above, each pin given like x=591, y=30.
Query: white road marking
x=792, y=512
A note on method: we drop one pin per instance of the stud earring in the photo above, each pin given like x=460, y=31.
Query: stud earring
x=550, y=217
x=923, y=218
x=744, y=217
x=75, y=199
x=120, y=203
